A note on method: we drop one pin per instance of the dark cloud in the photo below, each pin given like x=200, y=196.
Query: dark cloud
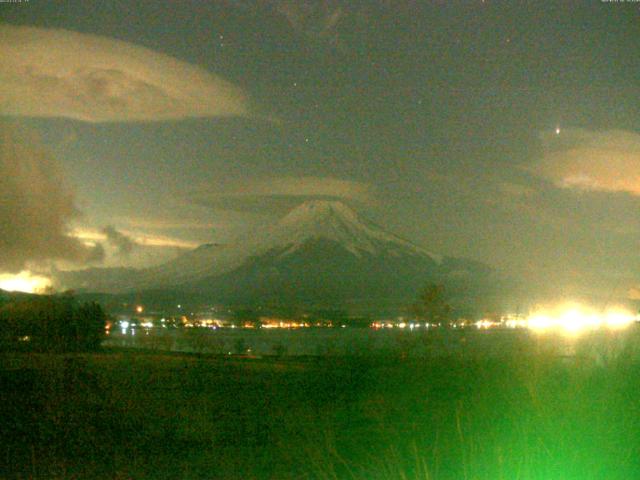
x=337, y=24
x=124, y=245
x=317, y=19
x=35, y=206
x=96, y=254
x=98, y=79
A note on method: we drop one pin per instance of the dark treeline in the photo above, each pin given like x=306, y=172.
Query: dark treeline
x=52, y=323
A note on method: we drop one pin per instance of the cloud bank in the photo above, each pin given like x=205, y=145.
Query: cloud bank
x=282, y=193
x=126, y=241
x=35, y=206
x=607, y=161
x=59, y=73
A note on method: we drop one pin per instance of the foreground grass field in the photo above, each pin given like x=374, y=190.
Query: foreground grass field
x=526, y=415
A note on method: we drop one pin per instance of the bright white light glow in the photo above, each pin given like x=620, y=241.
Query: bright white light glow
x=618, y=319
x=24, y=282
x=573, y=319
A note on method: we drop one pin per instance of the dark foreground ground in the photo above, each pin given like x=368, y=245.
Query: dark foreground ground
x=125, y=414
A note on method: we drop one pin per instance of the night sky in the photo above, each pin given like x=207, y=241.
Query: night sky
x=503, y=131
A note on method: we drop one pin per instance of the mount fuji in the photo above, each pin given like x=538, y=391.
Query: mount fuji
x=320, y=253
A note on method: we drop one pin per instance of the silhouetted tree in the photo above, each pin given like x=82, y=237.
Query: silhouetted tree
x=51, y=323
x=90, y=321
x=432, y=306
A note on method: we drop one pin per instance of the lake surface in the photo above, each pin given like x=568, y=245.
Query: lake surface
x=366, y=341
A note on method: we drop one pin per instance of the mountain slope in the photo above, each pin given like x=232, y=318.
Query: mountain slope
x=321, y=252
x=313, y=220
x=319, y=271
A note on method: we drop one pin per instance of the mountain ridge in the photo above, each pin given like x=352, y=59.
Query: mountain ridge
x=320, y=251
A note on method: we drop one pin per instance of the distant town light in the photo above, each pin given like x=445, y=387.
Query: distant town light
x=484, y=323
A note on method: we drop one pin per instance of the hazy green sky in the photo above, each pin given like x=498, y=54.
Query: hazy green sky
x=436, y=119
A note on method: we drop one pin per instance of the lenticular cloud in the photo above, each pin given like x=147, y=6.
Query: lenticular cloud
x=59, y=73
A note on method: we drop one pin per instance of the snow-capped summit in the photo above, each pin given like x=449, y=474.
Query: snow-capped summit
x=333, y=220
x=322, y=252
x=315, y=210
